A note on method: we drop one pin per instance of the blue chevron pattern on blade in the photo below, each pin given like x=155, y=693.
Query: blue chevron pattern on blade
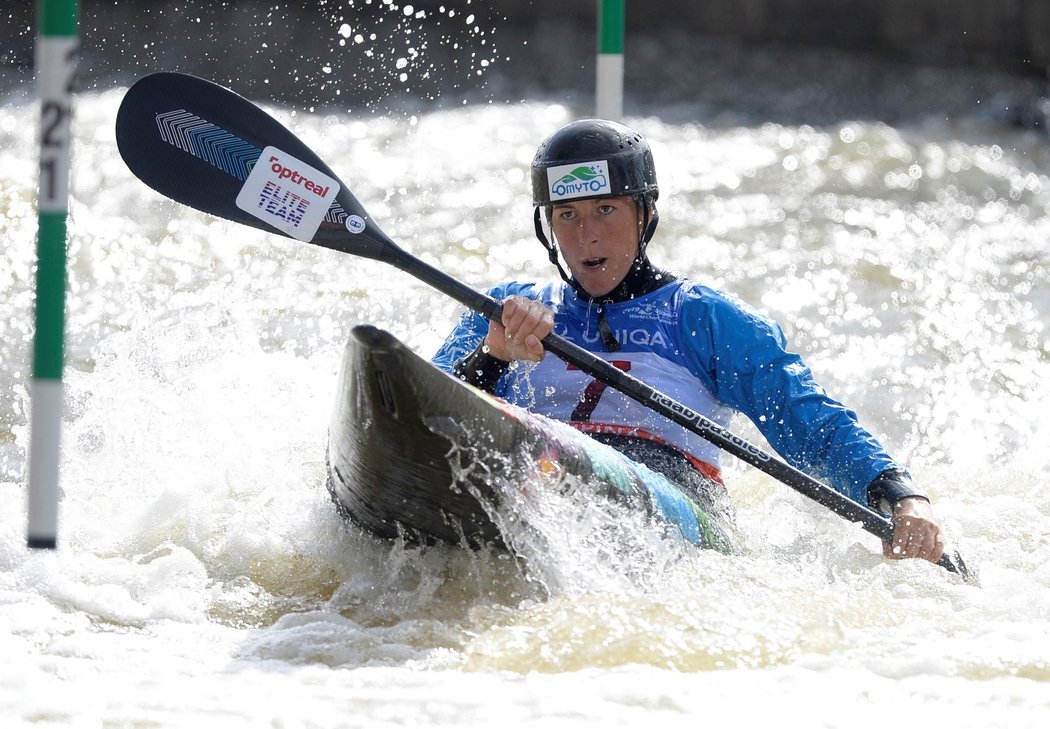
x=218, y=147
x=208, y=142
x=224, y=150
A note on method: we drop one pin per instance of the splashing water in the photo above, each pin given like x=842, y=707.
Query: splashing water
x=203, y=572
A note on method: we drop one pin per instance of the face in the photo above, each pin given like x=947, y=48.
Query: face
x=598, y=240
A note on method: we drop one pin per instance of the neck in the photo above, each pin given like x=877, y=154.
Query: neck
x=643, y=278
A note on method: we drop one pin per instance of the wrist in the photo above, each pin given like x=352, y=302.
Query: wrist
x=909, y=502
x=494, y=347
x=480, y=369
x=890, y=488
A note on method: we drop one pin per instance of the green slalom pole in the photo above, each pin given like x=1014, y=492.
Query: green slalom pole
x=609, y=89
x=56, y=60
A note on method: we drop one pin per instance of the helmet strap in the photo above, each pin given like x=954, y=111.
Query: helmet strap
x=552, y=249
x=649, y=223
x=650, y=226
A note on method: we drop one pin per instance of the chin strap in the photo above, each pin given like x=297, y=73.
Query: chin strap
x=552, y=250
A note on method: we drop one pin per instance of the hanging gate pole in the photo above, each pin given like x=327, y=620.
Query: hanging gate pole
x=56, y=58
x=609, y=90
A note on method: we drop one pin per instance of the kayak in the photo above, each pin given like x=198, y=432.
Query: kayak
x=416, y=454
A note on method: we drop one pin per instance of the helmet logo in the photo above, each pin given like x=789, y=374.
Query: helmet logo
x=580, y=180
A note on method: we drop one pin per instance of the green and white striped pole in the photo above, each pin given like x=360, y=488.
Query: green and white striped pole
x=56, y=60
x=609, y=91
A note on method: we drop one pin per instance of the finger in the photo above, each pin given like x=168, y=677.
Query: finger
x=939, y=545
x=531, y=319
x=515, y=318
x=533, y=348
x=546, y=322
x=912, y=542
x=511, y=316
x=902, y=545
x=899, y=542
x=932, y=545
x=897, y=548
x=916, y=539
x=538, y=326
x=918, y=544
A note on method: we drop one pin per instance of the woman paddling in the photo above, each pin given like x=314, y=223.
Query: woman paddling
x=594, y=185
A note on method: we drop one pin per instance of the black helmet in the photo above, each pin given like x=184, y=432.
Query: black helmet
x=593, y=158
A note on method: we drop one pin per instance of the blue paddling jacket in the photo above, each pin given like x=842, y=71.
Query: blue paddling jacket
x=707, y=350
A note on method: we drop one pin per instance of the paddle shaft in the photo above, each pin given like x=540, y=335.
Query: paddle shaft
x=652, y=398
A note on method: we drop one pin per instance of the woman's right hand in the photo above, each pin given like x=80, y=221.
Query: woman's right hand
x=518, y=336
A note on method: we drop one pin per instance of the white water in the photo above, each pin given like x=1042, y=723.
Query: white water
x=203, y=578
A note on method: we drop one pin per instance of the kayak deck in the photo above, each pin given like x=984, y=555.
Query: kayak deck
x=415, y=453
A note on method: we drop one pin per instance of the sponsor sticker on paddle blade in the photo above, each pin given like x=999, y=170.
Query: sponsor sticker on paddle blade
x=288, y=194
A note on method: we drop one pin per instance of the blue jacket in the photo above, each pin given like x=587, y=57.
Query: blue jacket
x=706, y=350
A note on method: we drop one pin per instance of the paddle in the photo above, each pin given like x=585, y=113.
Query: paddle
x=209, y=148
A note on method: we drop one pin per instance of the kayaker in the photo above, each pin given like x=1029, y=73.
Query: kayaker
x=594, y=190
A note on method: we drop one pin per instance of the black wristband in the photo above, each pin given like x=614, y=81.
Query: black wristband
x=891, y=487
x=480, y=369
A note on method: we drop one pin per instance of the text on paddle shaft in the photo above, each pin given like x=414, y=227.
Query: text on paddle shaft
x=705, y=427
x=293, y=176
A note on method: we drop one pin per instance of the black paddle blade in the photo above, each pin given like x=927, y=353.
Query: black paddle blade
x=953, y=562
x=202, y=145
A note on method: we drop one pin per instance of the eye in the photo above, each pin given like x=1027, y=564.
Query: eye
x=564, y=213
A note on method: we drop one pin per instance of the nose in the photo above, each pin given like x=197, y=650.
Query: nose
x=587, y=230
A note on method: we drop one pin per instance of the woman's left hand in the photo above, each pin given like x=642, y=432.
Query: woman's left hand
x=916, y=532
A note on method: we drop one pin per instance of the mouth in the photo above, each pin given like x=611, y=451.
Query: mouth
x=594, y=263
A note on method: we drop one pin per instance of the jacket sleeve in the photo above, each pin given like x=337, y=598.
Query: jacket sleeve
x=742, y=356
x=471, y=328
x=469, y=332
